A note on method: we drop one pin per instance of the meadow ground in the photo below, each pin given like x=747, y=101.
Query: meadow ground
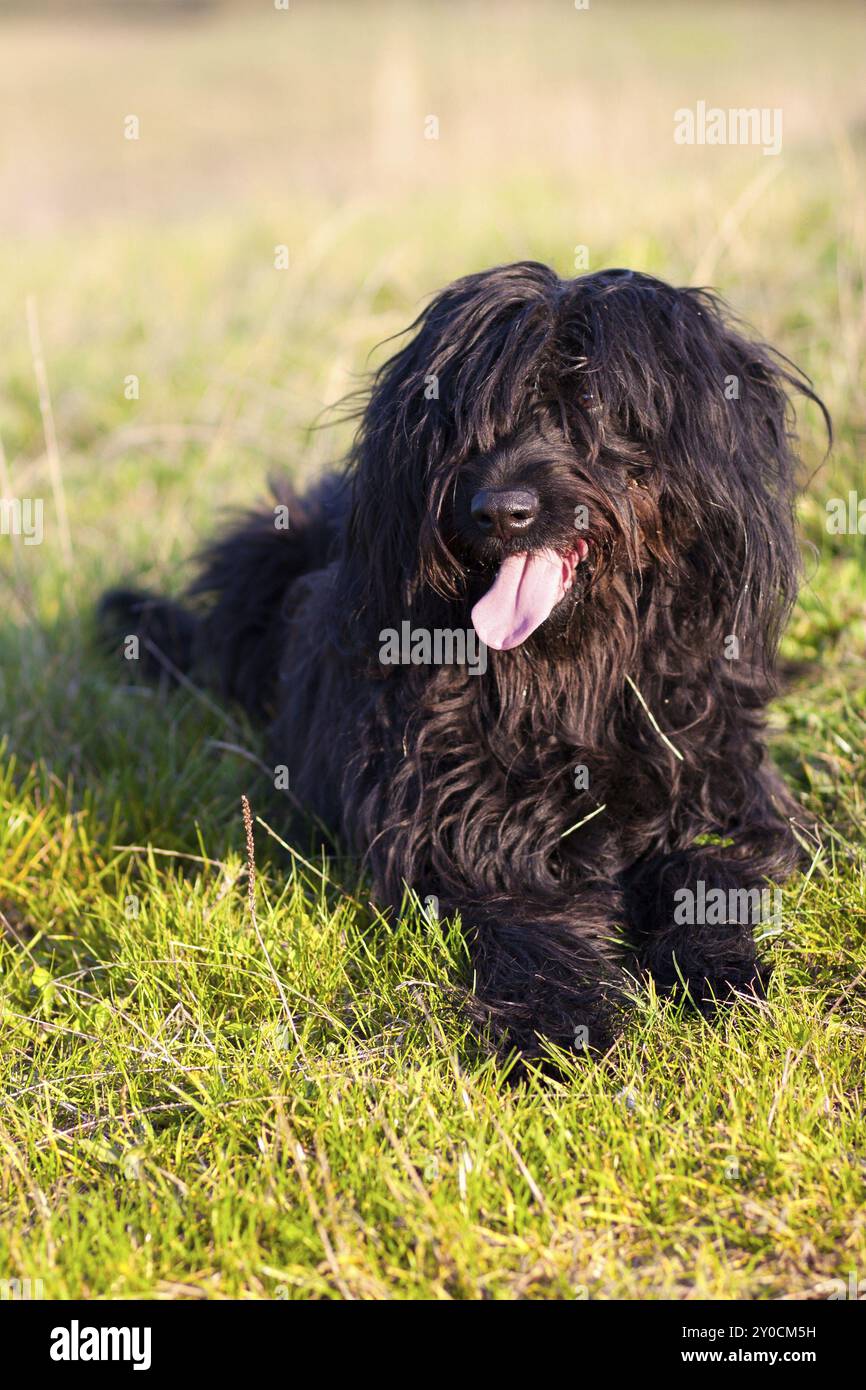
x=191, y=1107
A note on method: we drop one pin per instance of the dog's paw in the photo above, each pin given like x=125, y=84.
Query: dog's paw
x=746, y=980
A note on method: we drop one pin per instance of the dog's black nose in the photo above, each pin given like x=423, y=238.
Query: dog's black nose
x=505, y=511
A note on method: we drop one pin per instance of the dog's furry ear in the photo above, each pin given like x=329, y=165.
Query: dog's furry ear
x=713, y=411
x=740, y=429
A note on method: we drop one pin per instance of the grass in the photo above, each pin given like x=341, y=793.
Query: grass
x=194, y=1104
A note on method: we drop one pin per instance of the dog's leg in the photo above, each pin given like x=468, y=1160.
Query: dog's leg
x=229, y=630
x=695, y=915
x=159, y=635
x=546, y=971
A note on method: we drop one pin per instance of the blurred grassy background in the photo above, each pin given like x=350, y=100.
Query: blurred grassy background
x=154, y=258
x=261, y=127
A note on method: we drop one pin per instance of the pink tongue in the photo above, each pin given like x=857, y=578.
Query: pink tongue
x=524, y=591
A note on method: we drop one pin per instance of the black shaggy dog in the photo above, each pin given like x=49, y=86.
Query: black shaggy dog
x=596, y=477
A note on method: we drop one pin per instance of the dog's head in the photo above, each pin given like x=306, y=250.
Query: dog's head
x=554, y=456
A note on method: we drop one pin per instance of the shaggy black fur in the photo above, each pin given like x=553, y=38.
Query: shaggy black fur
x=647, y=406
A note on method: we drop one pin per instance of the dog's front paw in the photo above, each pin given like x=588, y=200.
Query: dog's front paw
x=708, y=970
x=748, y=979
